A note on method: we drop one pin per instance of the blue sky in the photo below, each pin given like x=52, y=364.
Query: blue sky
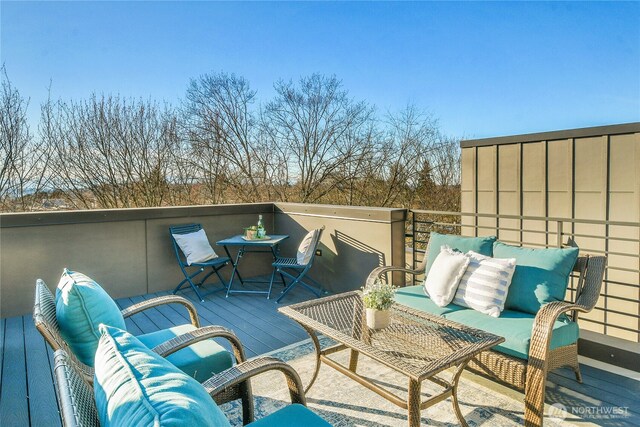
x=483, y=68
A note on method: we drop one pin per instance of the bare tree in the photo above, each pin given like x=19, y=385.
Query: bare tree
x=223, y=132
x=358, y=172
x=312, y=143
x=23, y=161
x=397, y=155
x=405, y=164
x=439, y=180
x=110, y=152
x=315, y=125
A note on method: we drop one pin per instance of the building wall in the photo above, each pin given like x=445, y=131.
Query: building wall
x=355, y=241
x=582, y=174
x=129, y=251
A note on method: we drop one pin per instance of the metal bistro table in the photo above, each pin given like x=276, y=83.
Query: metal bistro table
x=416, y=344
x=269, y=245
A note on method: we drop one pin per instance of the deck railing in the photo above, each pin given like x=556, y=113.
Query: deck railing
x=618, y=310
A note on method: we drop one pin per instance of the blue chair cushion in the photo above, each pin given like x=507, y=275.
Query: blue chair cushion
x=291, y=416
x=415, y=297
x=541, y=275
x=200, y=360
x=81, y=306
x=133, y=386
x=516, y=327
x=481, y=245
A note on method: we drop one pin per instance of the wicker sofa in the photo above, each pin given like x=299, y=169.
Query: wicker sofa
x=535, y=344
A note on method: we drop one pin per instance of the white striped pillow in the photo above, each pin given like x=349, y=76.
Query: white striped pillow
x=485, y=284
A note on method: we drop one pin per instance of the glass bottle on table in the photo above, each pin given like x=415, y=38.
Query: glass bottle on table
x=261, y=232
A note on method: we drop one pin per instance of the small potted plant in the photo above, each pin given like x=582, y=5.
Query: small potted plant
x=251, y=232
x=378, y=299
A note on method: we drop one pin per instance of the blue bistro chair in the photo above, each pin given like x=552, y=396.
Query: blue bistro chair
x=216, y=264
x=297, y=268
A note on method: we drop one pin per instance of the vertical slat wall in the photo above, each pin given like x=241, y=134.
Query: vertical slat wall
x=559, y=183
x=590, y=200
x=534, y=189
x=624, y=255
x=487, y=194
x=509, y=191
x=468, y=190
x=585, y=174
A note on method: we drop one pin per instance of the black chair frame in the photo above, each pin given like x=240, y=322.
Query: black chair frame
x=289, y=267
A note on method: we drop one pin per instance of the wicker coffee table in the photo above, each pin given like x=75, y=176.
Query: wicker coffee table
x=415, y=344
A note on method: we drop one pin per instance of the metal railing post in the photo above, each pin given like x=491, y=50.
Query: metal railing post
x=559, y=230
x=414, y=246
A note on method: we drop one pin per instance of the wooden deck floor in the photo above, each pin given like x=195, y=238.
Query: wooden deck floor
x=27, y=395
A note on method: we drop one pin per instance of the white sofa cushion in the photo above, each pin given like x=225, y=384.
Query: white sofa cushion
x=445, y=274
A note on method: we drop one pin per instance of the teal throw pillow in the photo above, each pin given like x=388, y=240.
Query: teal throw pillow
x=134, y=386
x=81, y=306
x=481, y=245
x=541, y=275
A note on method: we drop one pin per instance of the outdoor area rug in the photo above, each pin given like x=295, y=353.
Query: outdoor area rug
x=343, y=402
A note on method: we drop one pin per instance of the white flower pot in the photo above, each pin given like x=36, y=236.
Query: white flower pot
x=378, y=319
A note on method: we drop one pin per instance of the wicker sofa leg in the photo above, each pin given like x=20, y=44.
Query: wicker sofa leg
x=570, y=359
x=534, y=392
x=565, y=356
x=576, y=370
x=573, y=363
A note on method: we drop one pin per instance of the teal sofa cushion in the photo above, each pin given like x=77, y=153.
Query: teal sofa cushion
x=200, y=360
x=291, y=416
x=81, y=306
x=541, y=275
x=516, y=327
x=481, y=245
x=415, y=297
x=134, y=386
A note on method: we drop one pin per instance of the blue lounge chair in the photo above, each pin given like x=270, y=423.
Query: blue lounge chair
x=167, y=400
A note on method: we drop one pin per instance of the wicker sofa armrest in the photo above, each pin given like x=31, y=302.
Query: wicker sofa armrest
x=379, y=271
x=74, y=395
x=200, y=334
x=538, y=362
x=592, y=284
x=241, y=373
x=549, y=313
x=168, y=299
x=546, y=317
